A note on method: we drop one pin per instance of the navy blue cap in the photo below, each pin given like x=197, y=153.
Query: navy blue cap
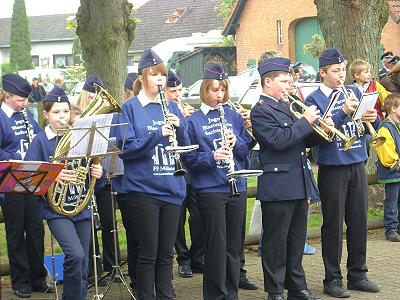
x=149, y=58
x=90, y=81
x=173, y=79
x=215, y=71
x=330, y=56
x=297, y=64
x=16, y=85
x=274, y=64
x=130, y=79
x=57, y=94
x=394, y=60
x=387, y=54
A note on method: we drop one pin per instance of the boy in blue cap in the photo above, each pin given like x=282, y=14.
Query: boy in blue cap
x=24, y=226
x=285, y=185
x=342, y=182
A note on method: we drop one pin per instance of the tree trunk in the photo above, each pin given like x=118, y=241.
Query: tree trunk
x=354, y=27
x=106, y=31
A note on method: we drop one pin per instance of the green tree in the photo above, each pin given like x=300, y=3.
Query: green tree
x=20, y=40
x=315, y=47
x=224, y=8
x=106, y=31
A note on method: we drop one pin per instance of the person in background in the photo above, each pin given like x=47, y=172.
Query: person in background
x=23, y=222
x=72, y=233
x=59, y=82
x=385, y=57
x=361, y=72
x=38, y=92
x=285, y=186
x=389, y=166
x=46, y=85
x=193, y=259
x=342, y=182
x=391, y=82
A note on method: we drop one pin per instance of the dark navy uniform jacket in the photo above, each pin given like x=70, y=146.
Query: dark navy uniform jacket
x=283, y=140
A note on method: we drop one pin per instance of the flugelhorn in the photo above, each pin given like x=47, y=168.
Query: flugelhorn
x=332, y=131
x=376, y=139
x=173, y=147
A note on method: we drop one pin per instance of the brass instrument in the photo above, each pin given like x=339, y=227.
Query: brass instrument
x=232, y=174
x=376, y=140
x=102, y=103
x=237, y=107
x=173, y=143
x=28, y=126
x=332, y=131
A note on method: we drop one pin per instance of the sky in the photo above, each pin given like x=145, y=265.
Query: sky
x=48, y=7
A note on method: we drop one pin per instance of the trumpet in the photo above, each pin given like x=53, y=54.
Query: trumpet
x=238, y=108
x=376, y=140
x=332, y=131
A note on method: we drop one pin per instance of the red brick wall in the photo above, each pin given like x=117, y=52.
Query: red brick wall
x=257, y=30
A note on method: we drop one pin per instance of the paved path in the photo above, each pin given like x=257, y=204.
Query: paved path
x=383, y=263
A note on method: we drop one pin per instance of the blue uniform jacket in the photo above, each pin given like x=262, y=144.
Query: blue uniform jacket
x=283, y=158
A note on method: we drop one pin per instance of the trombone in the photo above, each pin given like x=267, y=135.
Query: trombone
x=376, y=140
x=328, y=136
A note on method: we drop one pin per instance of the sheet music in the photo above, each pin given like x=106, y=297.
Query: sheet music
x=80, y=137
x=331, y=104
x=307, y=88
x=113, y=164
x=367, y=102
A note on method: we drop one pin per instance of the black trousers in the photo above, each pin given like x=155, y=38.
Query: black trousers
x=222, y=218
x=243, y=271
x=103, y=200
x=195, y=256
x=155, y=224
x=285, y=228
x=131, y=242
x=344, y=195
x=25, y=240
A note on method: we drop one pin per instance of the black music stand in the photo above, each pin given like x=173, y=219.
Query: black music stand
x=88, y=137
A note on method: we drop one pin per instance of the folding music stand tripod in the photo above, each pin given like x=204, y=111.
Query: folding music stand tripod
x=88, y=137
x=116, y=273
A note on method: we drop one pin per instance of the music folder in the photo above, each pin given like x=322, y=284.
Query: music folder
x=28, y=177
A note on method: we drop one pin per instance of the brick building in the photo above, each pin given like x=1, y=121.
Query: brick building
x=261, y=25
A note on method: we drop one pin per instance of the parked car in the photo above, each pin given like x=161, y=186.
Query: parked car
x=75, y=92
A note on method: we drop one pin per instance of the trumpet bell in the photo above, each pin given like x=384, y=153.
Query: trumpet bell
x=348, y=142
x=377, y=141
x=245, y=173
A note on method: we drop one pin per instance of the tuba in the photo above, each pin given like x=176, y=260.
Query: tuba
x=102, y=103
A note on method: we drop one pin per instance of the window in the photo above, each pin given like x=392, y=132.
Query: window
x=62, y=60
x=35, y=59
x=279, y=32
x=174, y=17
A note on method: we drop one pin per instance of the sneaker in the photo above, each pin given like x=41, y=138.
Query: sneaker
x=392, y=236
x=246, y=284
x=363, y=285
x=22, y=293
x=309, y=250
x=336, y=289
x=185, y=271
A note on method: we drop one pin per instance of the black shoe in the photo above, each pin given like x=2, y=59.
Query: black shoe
x=275, y=297
x=185, y=271
x=43, y=288
x=363, y=285
x=392, y=236
x=301, y=295
x=23, y=293
x=245, y=284
x=336, y=289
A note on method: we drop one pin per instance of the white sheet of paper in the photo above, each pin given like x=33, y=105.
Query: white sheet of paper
x=367, y=102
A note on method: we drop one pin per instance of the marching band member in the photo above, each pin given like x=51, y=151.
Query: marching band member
x=24, y=226
x=193, y=259
x=154, y=195
x=72, y=233
x=221, y=214
x=285, y=185
x=342, y=183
